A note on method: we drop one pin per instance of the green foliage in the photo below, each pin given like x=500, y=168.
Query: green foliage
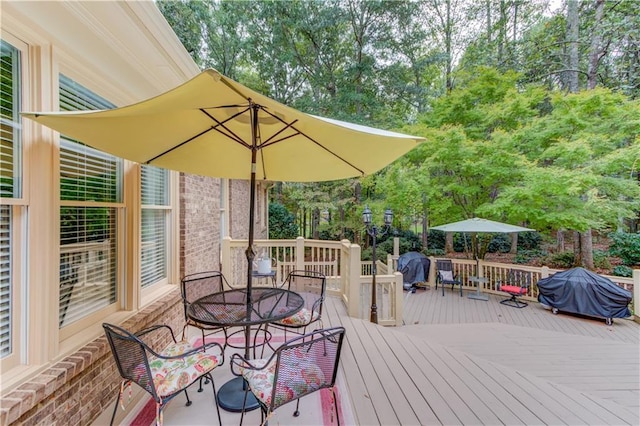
x=601, y=259
x=626, y=246
x=622, y=271
x=500, y=243
x=562, y=260
x=529, y=240
x=282, y=223
x=525, y=256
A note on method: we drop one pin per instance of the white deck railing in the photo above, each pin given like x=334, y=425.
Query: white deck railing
x=350, y=278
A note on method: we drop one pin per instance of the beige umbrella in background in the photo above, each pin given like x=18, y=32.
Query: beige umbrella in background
x=214, y=126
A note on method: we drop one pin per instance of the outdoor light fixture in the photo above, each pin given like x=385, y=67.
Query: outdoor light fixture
x=374, y=232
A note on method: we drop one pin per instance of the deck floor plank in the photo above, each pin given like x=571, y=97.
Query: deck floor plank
x=464, y=361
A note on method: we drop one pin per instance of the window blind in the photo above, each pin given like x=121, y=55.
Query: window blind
x=154, y=225
x=5, y=281
x=88, y=234
x=10, y=182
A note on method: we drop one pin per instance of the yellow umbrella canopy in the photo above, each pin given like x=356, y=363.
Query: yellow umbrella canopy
x=212, y=125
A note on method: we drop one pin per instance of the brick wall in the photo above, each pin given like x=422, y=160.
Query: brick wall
x=199, y=224
x=76, y=390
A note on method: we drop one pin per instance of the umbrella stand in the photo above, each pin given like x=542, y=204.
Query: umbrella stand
x=477, y=279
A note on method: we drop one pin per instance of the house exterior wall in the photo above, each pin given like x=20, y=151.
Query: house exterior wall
x=126, y=52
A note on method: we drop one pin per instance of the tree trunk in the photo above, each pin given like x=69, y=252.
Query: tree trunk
x=577, y=250
x=586, y=249
x=560, y=241
x=572, y=41
x=315, y=224
x=425, y=223
x=514, y=243
x=596, y=51
x=448, y=242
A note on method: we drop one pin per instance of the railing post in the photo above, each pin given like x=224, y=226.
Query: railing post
x=636, y=295
x=544, y=272
x=225, y=261
x=354, y=281
x=399, y=308
x=431, y=280
x=300, y=253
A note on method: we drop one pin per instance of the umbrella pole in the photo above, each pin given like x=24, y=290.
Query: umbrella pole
x=252, y=205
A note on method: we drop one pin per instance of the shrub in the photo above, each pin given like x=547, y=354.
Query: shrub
x=282, y=223
x=529, y=240
x=626, y=246
x=500, y=243
x=622, y=271
x=566, y=259
x=437, y=252
x=601, y=259
x=525, y=256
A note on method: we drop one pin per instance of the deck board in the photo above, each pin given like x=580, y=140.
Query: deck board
x=464, y=361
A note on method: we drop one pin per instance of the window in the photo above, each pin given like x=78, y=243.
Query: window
x=90, y=212
x=10, y=189
x=156, y=209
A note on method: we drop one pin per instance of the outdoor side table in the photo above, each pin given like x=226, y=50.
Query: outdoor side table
x=272, y=275
x=477, y=295
x=239, y=308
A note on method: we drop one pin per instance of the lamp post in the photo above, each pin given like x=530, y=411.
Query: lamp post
x=374, y=232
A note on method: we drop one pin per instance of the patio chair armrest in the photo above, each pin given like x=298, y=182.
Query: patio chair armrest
x=239, y=362
x=156, y=328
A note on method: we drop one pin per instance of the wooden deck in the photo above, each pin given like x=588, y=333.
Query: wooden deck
x=464, y=361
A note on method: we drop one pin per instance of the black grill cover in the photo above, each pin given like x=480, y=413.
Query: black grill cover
x=414, y=267
x=580, y=291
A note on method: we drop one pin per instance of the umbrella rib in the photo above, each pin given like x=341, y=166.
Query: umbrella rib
x=173, y=148
x=231, y=135
x=291, y=125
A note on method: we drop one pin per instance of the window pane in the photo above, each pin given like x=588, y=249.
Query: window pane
x=87, y=174
x=5, y=281
x=87, y=261
x=155, y=186
x=10, y=148
x=154, y=246
x=155, y=194
x=88, y=266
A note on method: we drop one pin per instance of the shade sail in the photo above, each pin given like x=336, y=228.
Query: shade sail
x=207, y=127
x=479, y=225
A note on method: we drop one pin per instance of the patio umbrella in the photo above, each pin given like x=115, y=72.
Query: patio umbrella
x=477, y=225
x=214, y=126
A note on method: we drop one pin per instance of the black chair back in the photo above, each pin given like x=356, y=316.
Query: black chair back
x=195, y=286
x=130, y=357
x=315, y=355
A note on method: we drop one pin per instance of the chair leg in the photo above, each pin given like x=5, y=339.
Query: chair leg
x=514, y=302
x=335, y=405
x=187, y=395
x=297, y=412
x=115, y=410
x=215, y=398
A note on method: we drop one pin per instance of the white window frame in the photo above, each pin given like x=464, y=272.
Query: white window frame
x=18, y=243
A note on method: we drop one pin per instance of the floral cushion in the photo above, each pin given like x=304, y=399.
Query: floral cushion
x=293, y=382
x=303, y=317
x=172, y=375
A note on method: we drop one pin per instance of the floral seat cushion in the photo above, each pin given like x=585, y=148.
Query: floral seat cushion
x=293, y=382
x=303, y=317
x=172, y=375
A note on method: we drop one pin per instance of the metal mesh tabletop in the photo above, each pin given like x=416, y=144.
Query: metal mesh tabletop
x=236, y=308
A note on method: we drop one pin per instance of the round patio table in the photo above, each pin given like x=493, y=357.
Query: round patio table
x=234, y=308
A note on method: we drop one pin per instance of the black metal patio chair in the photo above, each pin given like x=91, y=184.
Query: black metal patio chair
x=445, y=275
x=298, y=368
x=163, y=373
